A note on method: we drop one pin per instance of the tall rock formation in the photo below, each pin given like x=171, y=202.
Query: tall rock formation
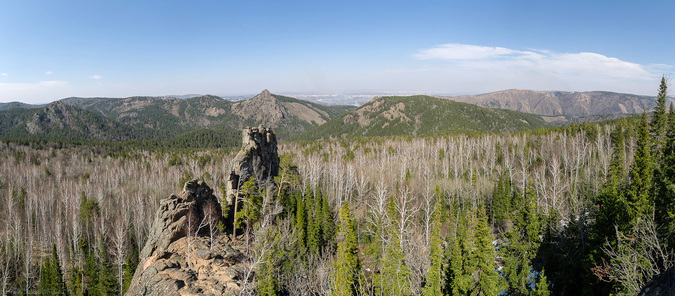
x=257, y=158
x=175, y=263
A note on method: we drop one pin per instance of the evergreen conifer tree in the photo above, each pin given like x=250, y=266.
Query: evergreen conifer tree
x=106, y=283
x=523, y=242
x=434, y=283
x=501, y=201
x=488, y=279
x=327, y=223
x=301, y=222
x=660, y=120
x=457, y=281
x=665, y=186
x=541, y=288
x=51, y=277
x=347, y=264
x=641, y=174
x=395, y=274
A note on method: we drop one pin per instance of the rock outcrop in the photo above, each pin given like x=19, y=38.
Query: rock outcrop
x=258, y=158
x=167, y=268
x=662, y=284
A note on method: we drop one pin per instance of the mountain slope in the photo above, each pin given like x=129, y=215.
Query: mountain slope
x=575, y=104
x=421, y=116
x=58, y=121
x=15, y=105
x=171, y=116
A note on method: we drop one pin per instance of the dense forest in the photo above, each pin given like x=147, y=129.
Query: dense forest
x=579, y=210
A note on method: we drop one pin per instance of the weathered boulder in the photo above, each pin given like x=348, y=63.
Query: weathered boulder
x=662, y=284
x=257, y=158
x=164, y=268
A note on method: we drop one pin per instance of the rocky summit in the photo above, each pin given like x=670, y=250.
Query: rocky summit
x=181, y=256
x=257, y=158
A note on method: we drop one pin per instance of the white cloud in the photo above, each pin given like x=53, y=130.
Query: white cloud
x=454, y=51
x=97, y=77
x=483, y=68
x=49, y=73
x=4, y=74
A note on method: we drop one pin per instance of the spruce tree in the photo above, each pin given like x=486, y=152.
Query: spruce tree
x=611, y=201
x=106, y=283
x=327, y=223
x=641, y=174
x=395, y=274
x=51, y=277
x=458, y=281
x=488, y=279
x=523, y=243
x=313, y=225
x=434, y=283
x=301, y=222
x=660, y=119
x=541, y=288
x=347, y=264
x=665, y=186
x=267, y=283
x=501, y=201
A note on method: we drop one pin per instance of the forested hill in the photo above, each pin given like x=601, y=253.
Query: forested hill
x=60, y=122
x=171, y=117
x=421, y=116
x=554, y=103
x=14, y=105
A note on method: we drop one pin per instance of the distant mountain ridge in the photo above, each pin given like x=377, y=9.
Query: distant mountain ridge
x=554, y=103
x=61, y=122
x=15, y=105
x=288, y=116
x=421, y=116
x=162, y=117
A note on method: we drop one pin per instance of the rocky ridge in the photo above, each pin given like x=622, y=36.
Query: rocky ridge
x=179, y=257
x=556, y=103
x=257, y=158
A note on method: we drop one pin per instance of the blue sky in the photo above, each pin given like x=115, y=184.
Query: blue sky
x=55, y=49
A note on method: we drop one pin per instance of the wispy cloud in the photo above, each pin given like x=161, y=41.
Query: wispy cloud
x=539, y=69
x=455, y=51
x=97, y=77
x=49, y=73
x=3, y=74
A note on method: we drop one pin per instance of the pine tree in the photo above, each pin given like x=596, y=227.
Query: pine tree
x=347, y=264
x=434, y=282
x=641, y=174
